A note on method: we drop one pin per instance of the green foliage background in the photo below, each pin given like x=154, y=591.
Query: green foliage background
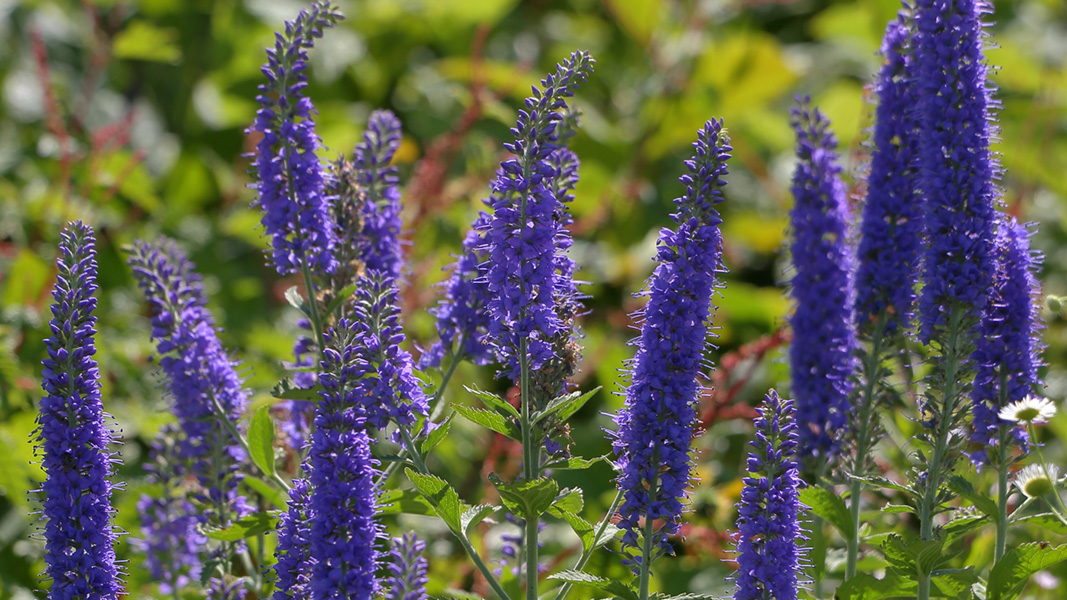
x=454, y=71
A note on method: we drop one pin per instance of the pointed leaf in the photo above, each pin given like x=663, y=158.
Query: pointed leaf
x=1012, y=572
x=489, y=419
x=830, y=507
x=866, y=587
x=494, y=401
x=474, y=515
x=438, y=435
x=271, y=494
x=964, y=489
x=342, y=296
x=526, y=499
x=569, y=500
x=404, y=501
x=244, y=528
x=441, y=496
x=611, y=586
x=261, y=440
x=287, y=390
x=565, y=406
x=575, y=463
x=293, y=297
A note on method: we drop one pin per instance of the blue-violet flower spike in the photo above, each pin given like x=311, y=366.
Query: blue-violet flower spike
x=958, y=170
x=296, y=211
x=407, y=569
x=381, y=246
x=293, y=553
x=821, y=354
x=656, y=423
x=892, y=221
x=770, y=554
x=73, y=437
x=1007, y=352
x=521, y=238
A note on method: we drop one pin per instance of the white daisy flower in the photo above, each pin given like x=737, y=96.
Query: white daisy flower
x=1033, y=482
x=1031, y=409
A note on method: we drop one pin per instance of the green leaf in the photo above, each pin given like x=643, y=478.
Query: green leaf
x=569, y=500
x=140, y=40
x=882, y=482
x=574, y=463
x=437, y=435
x=1012, y=572
x=611, y=586
x=913, y=555
x=830, y=507
x=1046, y=521
x=565, y=406
x=404, y=501
x=897, y=509
x=964, y=489
x=960, y=526
x=272, y=494
x=526, y=499
x=866, y=587
x=955, y=583
x=244, y=528
x=261, y=440
x=494, y=401
x=293, y=297
x=287, y=390
x=441, y=496
x=490, y=419
x=336, y=303
x=581, y=527
x=474, y=515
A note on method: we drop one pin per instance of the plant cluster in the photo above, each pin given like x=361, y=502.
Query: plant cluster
x=289, y=499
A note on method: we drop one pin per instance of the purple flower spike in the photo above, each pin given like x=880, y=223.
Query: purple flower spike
x=290, y=186
x=656, y=424
x=461, y=314
x=521, y=239
x=407, y=568
x=770, y=557
x=381, y=247
x=343, y=493
x=199, y=372
x=892, y=225
x=1007, y=352
x=821, y=355
x=293, y=552
x=957, y=167
x=73, y=438
x=392, y=392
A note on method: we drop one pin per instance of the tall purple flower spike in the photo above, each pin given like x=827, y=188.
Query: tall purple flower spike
x=381, y=248
x=291, y=183
x=892, y=221
x=1007, y=352
x=522, y=237
x=958, y=170
x=73, y=438
x=201, y=377
x=770, y=555
x=407, y=569
x=824, y=340
x=656, y=423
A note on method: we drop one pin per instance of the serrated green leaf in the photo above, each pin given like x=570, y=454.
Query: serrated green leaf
x=885, y=483
x=492, y=400
x=830, y=507
x=287, y=390
x=244, y=527
x=574, y=463
x=611, y=586
x=271, y=494
x=438, y=435
x=916, y=554
x=526, y=499
x=261, y=440
x=866, y=587
x=684, y=597
x=565, y=406
x=954, y=583
x=569, y=500
x=581, y=527
x=897, y=509
x=1047, y=521
x=474, y=515
x=404, y=501
x=489, y=419
x=965, y=490
x=960, y=526
x=1014, y=569
x=441, y=496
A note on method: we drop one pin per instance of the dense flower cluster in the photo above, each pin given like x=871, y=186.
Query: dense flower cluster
x=461, y=314
x=770, y=554
x=291, y=182
x=201, y=377
x=655, y=426
x=522, y=238
x=821, y=355
x=73, y=438
x=393, y=393
x=957, y=166
x=380, y=249
x=1007, y=351
x=407, y=569
x=891, y=227
x=293, y=552
x=341, y=510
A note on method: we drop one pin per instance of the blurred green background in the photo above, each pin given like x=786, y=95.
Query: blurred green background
x=131, y=116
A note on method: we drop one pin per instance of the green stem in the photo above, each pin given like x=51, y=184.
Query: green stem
x=225, y=420
x=313, y=307
x=463, y=541
x=587, y=553
x=646, y=557
x=530, y=467
x=855, y=489
x=1058, y=508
